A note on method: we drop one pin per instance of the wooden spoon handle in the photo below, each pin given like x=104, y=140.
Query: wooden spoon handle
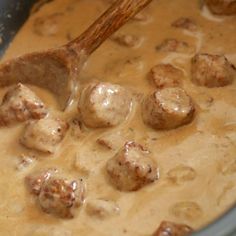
x=116, y=16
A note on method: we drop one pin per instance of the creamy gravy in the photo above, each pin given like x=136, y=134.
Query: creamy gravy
x=207, y=144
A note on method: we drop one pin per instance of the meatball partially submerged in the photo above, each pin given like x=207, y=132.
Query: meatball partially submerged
x=165, y=75
x=104, y=105
x=222, y=7
x=56, y=195
x=132, y=168
x=45, y=134
x=212, y=70
x=61, y=197
x=20, y=104
x=168, y=108
x=167, y=228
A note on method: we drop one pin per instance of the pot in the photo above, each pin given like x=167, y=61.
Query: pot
x=13, y=13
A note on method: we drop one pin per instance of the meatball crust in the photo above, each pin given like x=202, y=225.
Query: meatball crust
x=104, y=105
x=61, y=197
x=165, y=75
x=222, y=7
x=44, y=135
x=35, y=181
x=20, y=104
x=172, y=229
x=132, y=168
x=212, y=70
x=167, y=108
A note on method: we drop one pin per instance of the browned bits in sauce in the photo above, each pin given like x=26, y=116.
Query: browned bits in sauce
x=212, y=70
x=168, y=108
x=181, y=174
x=127, y=40
x=186, y=210
x=185, y=23
x=132, y=168
x=165, y=75
x=47, y=25
x=168, y=228
x=104, y=105
x=44, y=135
x=222, y=7
x=174, y=45
x=20, y=104
x=61, y=197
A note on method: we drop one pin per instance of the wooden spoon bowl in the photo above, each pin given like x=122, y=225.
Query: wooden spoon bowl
x=58, y=69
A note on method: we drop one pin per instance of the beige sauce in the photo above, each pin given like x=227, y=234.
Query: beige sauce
x=207, y=144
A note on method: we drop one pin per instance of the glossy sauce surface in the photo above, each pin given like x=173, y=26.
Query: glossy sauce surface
x=196, y=161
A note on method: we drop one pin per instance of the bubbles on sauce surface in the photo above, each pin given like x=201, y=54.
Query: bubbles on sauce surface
x=186, y=210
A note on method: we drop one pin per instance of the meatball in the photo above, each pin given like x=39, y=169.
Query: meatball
x=212, y=70
x=35, y=181
x=173, y=45
x=167, y=228
x=104, y=105
x=45, y=134
x=185, y=23
x=61, y=197
x=165, y=75
x=132, y=168
x=222, y=7
x=167, y=108
x=20, y=104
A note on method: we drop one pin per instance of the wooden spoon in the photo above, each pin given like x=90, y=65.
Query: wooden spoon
x=58, y=69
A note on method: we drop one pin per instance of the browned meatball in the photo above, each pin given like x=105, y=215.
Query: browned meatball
x=165, y=75
x=185, y=23
x=45, y=134
x=132, y=168
x=212, y=70
x=20, y=104
x=167, y=228
x=61, y=197
x=168, y=108
x=35, y=181
x=222, y=7
x=104, y=105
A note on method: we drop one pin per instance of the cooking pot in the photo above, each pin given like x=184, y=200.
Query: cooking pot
x=13, y=14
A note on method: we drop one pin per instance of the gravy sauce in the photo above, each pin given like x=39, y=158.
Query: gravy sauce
x=197, y=161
